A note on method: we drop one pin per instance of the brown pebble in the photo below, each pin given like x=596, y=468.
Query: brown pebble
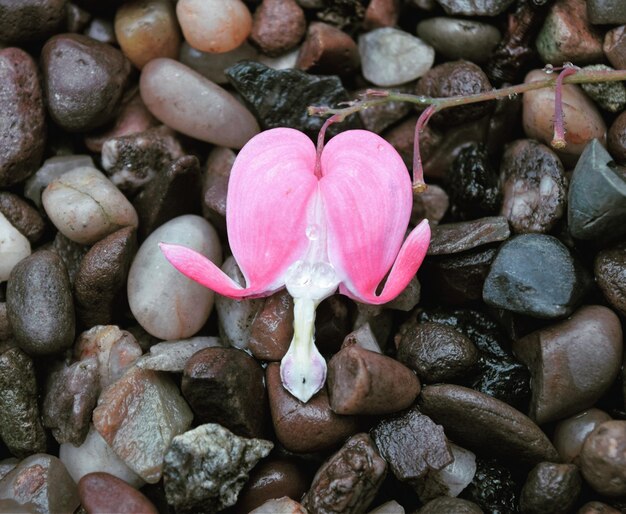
x=272, y=478
x=431, y=204
x=351, y=477
x=22, y=215
x=615, y=47
x=101, y=493
x=277, y=26
x=610, y=274
x=328, y=50
x=26, y=21
x=272, y=329
x=365, y=382
x=616, y=140
x=332, y=323
x=570, y=433
x=305, y=427
x=551, y=489
x=603, y=458
x=381, y=13
x=445, y=505
x=597, y=508
x=215, y=176
x=225, y=386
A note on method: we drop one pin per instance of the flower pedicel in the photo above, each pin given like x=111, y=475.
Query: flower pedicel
x=314, y=222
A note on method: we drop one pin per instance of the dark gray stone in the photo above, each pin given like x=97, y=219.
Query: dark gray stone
x=24, y=21
x=279, y=98
x=606, y=11
x=536, y=275
x=597, y=196
x=39, y=304
x=459, y=237
x=551, y=489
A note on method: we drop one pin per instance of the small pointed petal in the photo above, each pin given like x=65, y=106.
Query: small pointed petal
x=271, y=186
x=404, y=269
x=303, y=374
x=366, y=191
x=199, y=268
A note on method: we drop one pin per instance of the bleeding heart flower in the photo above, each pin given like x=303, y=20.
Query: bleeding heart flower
x=314, y=222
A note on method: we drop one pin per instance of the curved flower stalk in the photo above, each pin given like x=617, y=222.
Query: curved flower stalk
x=314, y=223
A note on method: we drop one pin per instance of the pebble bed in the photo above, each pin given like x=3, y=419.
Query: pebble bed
x=493, y=383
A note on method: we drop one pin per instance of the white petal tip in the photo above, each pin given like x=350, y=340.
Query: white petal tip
x=303, y=378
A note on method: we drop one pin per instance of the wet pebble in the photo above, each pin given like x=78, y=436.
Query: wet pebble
x=616, y=140
x=147, y=29
x=305, y=427
x=364, y=382
x=39, y=304
x=225, y=386
x=215, y=177
x=610, y=274
x=567, y=35
x=101, y=493
x=14, y=247
x=214, y=26
x=20, y=426
x=42, y=483
x=437, y=353
x=611, y=96
x=413, y=445
x=551, y=488
x=84, y=81
x=189, y=103
x=603, y=458
x=277, y=26
x=85, y=206
x=606, y=11
x=486, y=425
x=448, y=238
x=172, y=356
x=456, y=38
x=272, y=329
x=534, y=187
x=357, y=463
x=494, y=488
x=22, y=118
x=328, y=50
x=167, y=304
x=475, y=7
x=570, y=433
x=206, y=468
x=535, y=275
x=212, y=65
x=614, y=47
x=379, y=50
x=138, y=416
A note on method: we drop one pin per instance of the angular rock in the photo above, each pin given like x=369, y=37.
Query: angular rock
x=14, y=247
x=100, y=493
x=610, y=274
x=616, y=140
x=20, y=425
x=597, y=196
x=459, y=237
x=84, y=81
x=206, y=468
x=494, y=488
x=381, y=13
x=551, y=488
x=615, y=47
x=475, y=7
x=138, y=416
x=39, y=304
x=277, y=26
x=279, y=98
x=569, y=373
x=570, y=433
x=30, y=21
x=22, y=118
x=166, y=303
x=189, y=103
x=173, y=355
x=328, y=51
x=535, y=275
x=85, y=206
x=483, y=424
x=390, y=56
x=412, y=444
x=603, y=458
x=357, y=463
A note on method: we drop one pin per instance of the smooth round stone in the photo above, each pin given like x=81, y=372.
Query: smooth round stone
x=616, y=140
x=279, y=505
x=610, y=273
x=147, y=29
x=583, y=121
x=22, y=215
x=189, y=103
x=437, y=352
x=596, y=507
x=570, y=433
x=13, y=247
x=85, y=206
x=534, y=187
x=535, y=275
x=214, y=26
x=455, y=38
x=446, y=505
x=551, y=488
x=84, y=81
x=167, y=304
x=606, y=11
x=212, y=66
x=572, y=363
x=278, y=26
x=603, y=458
x=95, y=455
x=390, y=57
x=39, y=304
x=22, y=116
x=101, y=493
x=485, y=425
x=24, y=21
x=475, y=7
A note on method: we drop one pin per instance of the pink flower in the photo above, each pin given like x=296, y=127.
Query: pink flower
x=314, y=224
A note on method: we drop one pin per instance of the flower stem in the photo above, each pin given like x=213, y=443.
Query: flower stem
x=558, y=140
x=419, y=186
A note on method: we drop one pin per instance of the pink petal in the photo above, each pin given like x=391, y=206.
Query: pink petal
x=366, y=190
x=271, y=186
x=408, y=262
